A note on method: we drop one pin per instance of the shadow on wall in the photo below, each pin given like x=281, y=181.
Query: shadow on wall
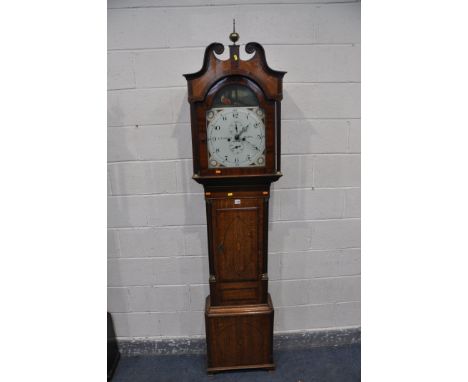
x=188, y=187
x=190, y=194
x=275, y=206
x=275, y=210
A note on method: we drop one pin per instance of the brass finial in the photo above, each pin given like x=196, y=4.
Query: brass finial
x=234, y=36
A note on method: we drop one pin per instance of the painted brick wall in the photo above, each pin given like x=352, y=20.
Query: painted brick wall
x=157, y=249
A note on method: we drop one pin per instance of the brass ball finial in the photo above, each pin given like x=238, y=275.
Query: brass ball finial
x=234, y=36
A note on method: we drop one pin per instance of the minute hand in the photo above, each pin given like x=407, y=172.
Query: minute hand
x=243, y=130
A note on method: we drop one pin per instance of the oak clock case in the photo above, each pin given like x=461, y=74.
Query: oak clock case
x=235, y=126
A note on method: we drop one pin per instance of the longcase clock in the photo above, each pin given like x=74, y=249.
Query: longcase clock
x=236, y=122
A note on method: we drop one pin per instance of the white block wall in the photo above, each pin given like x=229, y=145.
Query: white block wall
x=157, y=245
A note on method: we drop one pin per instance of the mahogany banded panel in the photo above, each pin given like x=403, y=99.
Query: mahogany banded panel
x=236, y=236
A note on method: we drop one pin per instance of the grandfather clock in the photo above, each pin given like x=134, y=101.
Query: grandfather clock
x=236, y=123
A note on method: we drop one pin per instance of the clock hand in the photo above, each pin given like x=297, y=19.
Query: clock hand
x=243, y=130
x=255, y=147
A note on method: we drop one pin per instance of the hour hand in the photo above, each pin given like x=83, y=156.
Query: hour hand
x=243, y=130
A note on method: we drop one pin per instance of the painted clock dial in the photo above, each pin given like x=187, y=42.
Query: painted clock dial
x=236, y=137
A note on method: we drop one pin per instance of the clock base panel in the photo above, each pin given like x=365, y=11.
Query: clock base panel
x=239, y=337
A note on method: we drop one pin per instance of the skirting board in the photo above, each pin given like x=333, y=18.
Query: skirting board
x=289, y=340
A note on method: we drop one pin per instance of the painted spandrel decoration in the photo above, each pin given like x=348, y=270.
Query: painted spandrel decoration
x=235, y=96
x=235, y=108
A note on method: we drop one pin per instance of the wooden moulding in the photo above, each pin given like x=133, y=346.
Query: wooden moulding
x=214, y=69
x=239, y=337
x=234, y=180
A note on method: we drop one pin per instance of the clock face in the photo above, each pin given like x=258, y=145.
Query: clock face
x=236, y=137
